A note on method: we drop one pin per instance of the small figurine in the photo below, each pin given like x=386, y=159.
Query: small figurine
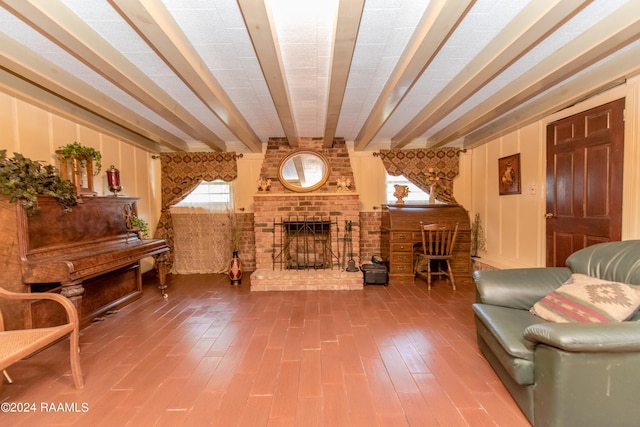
x=264, y=184
x=343, y=184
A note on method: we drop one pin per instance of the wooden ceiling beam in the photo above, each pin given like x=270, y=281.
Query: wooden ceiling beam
x=435, y=27
x=22, y=61
x=63, y=27
x=612, y=33
x=19, y=88
x=344, y=43
x=532, y=25
x=155, y=24
x=265, y=43
x=610, y=73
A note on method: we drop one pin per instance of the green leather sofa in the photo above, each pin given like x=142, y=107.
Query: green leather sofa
x=563, y=374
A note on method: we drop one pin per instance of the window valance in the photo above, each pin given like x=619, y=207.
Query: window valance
x=414, y=165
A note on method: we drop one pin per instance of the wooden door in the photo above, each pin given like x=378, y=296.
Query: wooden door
x=584, y=180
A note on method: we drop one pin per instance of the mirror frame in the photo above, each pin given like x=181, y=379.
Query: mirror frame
x=313, y=187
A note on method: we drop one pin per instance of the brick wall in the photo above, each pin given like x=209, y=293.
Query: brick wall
x=369, y=236
x=247, y=241
x=337, y=157
x=325, y=203
x=272, y=208
x=370, y=225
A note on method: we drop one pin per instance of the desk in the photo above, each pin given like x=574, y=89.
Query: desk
x=401, y=230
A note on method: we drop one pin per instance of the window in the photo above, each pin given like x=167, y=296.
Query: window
x=210, y=196
x=415, y=193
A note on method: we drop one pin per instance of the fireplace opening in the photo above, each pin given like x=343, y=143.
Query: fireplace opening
x=306, y=243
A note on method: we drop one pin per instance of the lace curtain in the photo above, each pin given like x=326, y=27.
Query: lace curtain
x=181, y=173
x=414, y=165
x=201, y=242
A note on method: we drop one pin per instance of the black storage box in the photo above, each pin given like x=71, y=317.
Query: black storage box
x=375, y=274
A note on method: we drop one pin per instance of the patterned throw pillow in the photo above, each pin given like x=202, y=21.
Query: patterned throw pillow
x=588, y=299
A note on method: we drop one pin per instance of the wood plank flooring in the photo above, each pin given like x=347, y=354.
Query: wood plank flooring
x=214, y=354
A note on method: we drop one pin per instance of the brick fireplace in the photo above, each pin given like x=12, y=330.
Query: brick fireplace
x=279, y=208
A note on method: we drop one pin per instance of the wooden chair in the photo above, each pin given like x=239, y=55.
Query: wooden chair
x=438, y=242
x=18, y=344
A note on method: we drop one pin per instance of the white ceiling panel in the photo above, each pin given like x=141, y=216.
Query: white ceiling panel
x=591, y=15
x=483, y=22
x=188, y=74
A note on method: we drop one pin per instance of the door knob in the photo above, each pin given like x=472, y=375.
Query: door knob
x=548, y=215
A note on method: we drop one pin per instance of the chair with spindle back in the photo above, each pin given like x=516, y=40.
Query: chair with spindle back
x=438, y=243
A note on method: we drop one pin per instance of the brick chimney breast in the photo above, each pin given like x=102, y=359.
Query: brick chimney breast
x=280, y=204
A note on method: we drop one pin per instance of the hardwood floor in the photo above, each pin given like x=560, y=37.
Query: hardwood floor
x=213, y=354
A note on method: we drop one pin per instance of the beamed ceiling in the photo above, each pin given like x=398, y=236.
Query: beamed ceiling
x=193, y=75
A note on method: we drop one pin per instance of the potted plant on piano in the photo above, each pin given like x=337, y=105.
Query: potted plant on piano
x=80, y=164
x=141, y=224
x=23, y=179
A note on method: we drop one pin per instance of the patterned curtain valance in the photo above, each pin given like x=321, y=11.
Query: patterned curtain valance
x=184, y=171
x=181, y=173
x=414, y=165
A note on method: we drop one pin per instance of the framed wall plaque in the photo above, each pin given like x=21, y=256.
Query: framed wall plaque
x=509, y=174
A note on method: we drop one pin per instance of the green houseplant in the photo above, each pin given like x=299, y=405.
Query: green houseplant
x=83, y=155
x=141, y=224
x=80, y=164
x=23, y=179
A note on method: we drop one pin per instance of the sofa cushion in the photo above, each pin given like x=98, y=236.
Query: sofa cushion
x=588, y=299
x=501, y=328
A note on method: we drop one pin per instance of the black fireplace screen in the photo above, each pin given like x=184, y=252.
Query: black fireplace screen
x=305, y=243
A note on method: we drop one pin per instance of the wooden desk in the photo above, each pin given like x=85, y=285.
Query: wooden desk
x=401, y=230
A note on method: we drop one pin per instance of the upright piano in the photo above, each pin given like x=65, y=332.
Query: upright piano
x=401, y=232
x=86, y=254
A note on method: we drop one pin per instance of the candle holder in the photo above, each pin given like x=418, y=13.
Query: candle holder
x=113, y=180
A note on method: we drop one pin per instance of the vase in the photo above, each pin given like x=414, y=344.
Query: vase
x=401, y=192
x=235, y=269
x=432, y=194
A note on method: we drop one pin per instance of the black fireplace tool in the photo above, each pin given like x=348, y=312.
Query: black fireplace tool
x=351, y=264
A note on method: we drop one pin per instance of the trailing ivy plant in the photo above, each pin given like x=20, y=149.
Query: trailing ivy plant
x=141, y=224
x=22, y=179
x=83, y=155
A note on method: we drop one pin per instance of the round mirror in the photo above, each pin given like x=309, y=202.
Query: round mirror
x=303, y=170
